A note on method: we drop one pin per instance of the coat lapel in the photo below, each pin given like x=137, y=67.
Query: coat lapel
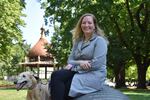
x=84, y=45
x=81, y=46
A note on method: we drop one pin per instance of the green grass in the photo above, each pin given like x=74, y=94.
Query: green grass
x=12, y=94
x=137, y=94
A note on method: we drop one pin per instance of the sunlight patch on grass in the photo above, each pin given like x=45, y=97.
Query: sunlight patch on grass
x=12, y=94
x=138, y=94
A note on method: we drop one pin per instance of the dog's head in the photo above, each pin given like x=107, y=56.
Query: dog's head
x=25, y=79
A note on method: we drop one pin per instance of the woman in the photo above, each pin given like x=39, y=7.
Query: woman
x=86, y=69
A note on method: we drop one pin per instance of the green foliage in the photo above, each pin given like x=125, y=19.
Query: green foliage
x=10, y=35
x=10, y=66
x=10, y=18
x=131, y=73
x=148, y=74
x=60, y=47
x=110, y=74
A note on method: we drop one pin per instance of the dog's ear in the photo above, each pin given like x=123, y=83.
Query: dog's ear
x=36, y=77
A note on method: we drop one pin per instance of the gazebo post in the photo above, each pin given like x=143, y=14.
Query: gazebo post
x=31, y=68
x=38, y=70
x=46, y=72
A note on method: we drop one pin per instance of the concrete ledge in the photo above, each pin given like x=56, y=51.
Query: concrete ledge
x=107, y=93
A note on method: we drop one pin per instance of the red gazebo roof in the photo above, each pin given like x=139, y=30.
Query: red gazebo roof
x=39, y=48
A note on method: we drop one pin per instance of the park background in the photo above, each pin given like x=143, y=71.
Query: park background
x=126, y=23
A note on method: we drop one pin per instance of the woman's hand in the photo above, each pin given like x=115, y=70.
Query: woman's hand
x=85, y=64
x=68, y=67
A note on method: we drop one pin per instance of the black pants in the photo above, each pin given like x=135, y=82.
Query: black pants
x=60, y=84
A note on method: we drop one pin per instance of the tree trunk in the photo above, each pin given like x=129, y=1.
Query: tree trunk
x=120, y=75
x=141, y=68
x=141, y=76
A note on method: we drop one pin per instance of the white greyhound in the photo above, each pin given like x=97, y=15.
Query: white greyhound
x=36, y=90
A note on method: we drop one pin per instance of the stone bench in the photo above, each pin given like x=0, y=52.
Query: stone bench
x=107, y=93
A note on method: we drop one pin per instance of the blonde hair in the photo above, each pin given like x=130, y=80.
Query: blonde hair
x=77, y=31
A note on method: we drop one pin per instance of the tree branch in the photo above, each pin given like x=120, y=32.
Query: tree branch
x=146, y=18
x=143, y=24
x=120, y=33
x=130, y=13
x=138, y=15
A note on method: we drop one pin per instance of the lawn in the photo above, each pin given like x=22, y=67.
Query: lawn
x=137, y=94
x=12, y=94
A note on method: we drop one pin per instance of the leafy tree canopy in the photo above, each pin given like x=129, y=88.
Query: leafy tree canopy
x=10, y=33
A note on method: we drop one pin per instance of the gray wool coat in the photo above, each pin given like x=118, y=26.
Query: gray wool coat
x=87, y=81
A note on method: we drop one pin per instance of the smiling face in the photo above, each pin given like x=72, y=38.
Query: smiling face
x=87, y=26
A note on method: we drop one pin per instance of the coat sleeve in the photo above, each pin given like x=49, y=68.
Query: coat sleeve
x=99, y=57
x=71, y=59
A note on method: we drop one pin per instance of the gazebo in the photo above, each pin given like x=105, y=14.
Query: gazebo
x=38, y=57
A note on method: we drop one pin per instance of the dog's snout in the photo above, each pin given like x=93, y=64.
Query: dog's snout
x=15, y=82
